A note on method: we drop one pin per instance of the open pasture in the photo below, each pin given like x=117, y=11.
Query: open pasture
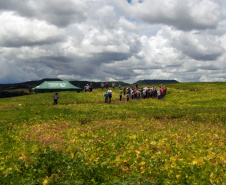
x=178, y=140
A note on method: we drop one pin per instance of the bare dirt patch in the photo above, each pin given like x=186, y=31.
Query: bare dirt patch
x=48, y=134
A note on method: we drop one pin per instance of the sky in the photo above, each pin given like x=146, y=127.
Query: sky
x=113, y=40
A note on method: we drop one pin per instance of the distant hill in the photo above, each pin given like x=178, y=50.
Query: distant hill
x=81, y=84
x=30, y=84
x=144, y=82
x=26, y=85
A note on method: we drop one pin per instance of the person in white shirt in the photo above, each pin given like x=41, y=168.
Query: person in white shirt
x=102, y=85
x=87, y=87
x=144, y=94
x=113, y=85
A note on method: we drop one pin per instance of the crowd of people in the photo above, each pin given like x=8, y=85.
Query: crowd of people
x=132, y=92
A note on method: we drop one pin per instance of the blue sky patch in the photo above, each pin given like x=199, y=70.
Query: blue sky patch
x=130, y=1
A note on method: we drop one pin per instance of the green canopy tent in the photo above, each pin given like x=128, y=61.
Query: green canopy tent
x=55, y=86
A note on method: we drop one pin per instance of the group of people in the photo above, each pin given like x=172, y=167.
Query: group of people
x=130, y=92
x=144, y=93
x=108, y=96
x=88, y=88
x=135, y=93
x=107, y=85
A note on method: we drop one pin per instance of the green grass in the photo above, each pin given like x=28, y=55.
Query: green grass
x=177, y=140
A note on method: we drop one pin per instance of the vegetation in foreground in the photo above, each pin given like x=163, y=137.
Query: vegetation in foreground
x=82, y=140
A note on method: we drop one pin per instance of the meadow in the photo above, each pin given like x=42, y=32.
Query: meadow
x=82, y=140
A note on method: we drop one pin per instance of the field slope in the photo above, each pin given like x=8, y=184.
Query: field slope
x=178, y=140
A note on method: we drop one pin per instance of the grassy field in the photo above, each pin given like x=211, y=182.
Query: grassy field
x=178, y=140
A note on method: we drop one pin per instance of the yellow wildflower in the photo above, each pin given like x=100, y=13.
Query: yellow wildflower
x=142, y=163
x=45, y=182
x=195, y=162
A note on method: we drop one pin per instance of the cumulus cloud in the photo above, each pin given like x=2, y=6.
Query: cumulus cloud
x=113, y=40
x=17, y=31
x=196, y=45
x=61, y=13
x=184, y=15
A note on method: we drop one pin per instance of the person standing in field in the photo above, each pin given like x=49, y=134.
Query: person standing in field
x=138, y=94
x=87, y=87
x=165, y=89
x=109, y=95
x=55, y=98
x=136, y=86
x=102, y=85
x=113, y=85
x=106, y=85
x=144, y=93
x=135, y=93
x=131, y=92
x=127, y=96
x=128, y=90
x=124, y=90
x=91, y=87
x=161, y=92
x=156, y=94
x=119, y=86
x=120, y=94
x=106, y=97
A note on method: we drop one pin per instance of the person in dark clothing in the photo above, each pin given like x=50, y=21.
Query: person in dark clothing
x=120, y=95
x=91, y=87
x=127, y=96
x=106, y=85
x=109, y=95
x=106, y=97
x=55, y=98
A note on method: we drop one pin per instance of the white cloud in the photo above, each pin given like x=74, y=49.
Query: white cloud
x=103, y=40
x=60, y=13
x=185, y=15
x=17, y=31
x=196, y=45
x=127, y=25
